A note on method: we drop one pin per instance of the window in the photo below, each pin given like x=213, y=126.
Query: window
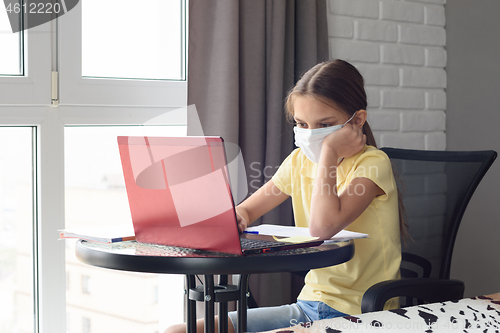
x=110, y=39
x=85, y=103
x=94, y=178
x=144, y=40
x=155, y=294
x=25, y=63
x=86, y=285
x=16, y=229
x=11, y=62
x=68, y=323
x=86, y=325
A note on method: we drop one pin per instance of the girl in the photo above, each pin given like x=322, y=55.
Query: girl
x=337, y=179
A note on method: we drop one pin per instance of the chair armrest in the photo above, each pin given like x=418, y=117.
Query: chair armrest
x=428, y=290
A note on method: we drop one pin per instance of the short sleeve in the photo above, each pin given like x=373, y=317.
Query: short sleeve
x=375, y=165
x=282, y=179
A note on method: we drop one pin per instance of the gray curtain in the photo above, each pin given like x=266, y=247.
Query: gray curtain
x=244, y=56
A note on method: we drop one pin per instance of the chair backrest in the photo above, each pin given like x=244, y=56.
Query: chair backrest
x=436, y=188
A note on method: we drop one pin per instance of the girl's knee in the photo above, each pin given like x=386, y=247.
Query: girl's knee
x=179, y=328
x=182, y=328
x=200, y=325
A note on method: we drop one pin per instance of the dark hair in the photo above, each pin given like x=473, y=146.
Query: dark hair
x=334, y=81
x=340, y=83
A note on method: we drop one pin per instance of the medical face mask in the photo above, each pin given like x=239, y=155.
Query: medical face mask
x=311, y=140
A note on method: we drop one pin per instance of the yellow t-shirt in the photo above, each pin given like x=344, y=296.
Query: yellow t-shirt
x=376, y=258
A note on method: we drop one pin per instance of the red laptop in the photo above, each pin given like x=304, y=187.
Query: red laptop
x=180, y=195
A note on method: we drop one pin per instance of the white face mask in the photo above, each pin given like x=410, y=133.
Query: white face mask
x=311, y=140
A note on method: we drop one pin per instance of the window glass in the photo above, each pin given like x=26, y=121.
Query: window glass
x=133, y=39
x=101, y=299
x=10, y=45
x=16, y=230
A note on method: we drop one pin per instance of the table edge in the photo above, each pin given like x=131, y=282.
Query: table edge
x=214, y=265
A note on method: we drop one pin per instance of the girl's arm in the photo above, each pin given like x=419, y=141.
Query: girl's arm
x=262, y=201
x=330, y=213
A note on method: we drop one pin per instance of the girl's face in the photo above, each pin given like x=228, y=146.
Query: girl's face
x=311, y=113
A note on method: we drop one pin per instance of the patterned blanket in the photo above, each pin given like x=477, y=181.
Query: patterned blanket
x=476, y=314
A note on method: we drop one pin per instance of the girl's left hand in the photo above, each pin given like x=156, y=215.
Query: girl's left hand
x=347, y=141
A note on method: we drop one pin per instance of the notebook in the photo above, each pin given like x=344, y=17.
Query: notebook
x=179, y=194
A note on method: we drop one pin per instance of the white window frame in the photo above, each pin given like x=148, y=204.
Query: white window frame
x=34, y=87
x=77, y=90
x=26, y=101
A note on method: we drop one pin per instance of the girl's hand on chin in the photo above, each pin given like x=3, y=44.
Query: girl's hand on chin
x=347, y=141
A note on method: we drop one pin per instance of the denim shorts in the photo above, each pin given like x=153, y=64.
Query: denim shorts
x=270, y=318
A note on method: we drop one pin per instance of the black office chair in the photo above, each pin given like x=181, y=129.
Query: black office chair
x=436, y=188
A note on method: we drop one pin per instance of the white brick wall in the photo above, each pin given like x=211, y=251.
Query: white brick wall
x=399, y=47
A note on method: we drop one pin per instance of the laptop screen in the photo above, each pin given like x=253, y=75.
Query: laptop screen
x=179, y=192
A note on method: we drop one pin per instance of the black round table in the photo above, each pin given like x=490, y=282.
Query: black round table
x=151, y=258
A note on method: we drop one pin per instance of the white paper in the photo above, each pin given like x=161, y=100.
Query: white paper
x=286, y=231
x=105, y=234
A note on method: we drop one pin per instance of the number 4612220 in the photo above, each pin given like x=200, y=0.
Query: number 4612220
x=34, y=8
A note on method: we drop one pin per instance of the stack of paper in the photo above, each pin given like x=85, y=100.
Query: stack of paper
x=302, y=234
x=104, y=234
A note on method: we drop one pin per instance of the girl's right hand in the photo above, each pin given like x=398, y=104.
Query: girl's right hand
x=242, y=219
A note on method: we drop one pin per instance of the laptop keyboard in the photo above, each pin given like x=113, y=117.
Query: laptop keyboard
x=248, y=244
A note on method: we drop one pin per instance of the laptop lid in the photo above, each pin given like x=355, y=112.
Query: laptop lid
x=179, y=192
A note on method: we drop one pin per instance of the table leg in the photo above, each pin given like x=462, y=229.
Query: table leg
x=207, y=294
x=223, y=308
x=191, y=305
x=209, y=304
x=242, y=304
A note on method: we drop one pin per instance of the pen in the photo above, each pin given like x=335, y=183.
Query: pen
x=250, y=232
